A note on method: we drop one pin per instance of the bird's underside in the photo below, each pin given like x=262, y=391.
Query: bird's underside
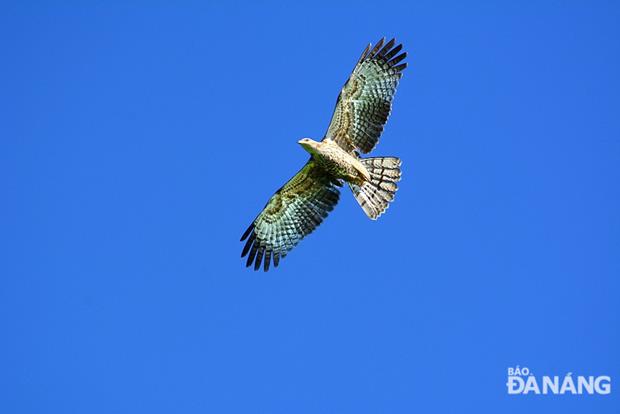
x=362, y=109
x=335, y=161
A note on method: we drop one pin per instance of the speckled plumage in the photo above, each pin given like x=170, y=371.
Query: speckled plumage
x=336, y=161
x=298, y=207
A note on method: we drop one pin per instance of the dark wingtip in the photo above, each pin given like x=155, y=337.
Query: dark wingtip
x=400, y=67
x=248, y=244
x=390, y=54
x=377, y=47
x=267, y=260
x=252, y=255
x=387, y=47
x=364, y=53
x=259, y=259
x=398, y=59
x=247, y=232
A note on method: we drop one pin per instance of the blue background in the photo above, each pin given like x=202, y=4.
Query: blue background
x=140, y=139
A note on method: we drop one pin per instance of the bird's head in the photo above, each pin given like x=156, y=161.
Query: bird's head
x=308, y=144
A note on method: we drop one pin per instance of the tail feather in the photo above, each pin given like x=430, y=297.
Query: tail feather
x=374, y=196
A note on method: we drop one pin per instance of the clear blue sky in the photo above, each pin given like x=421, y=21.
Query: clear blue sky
x=139, y=139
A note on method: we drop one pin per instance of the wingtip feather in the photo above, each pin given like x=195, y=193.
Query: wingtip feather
x=259, y=258
x=387, y=47
x=247, y=232
x=248, y=244
x=377, y=47
x=267, y=260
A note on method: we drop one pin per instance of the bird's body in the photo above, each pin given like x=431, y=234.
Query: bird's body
x=336, y=161
x=362, y=109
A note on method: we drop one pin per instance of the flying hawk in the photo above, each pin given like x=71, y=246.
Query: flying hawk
x=300, y=205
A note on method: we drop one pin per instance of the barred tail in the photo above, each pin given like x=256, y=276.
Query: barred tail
x=375, y=195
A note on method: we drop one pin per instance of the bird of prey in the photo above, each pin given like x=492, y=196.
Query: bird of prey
x=299, y=206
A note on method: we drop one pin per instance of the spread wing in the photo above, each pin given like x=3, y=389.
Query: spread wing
x=365, y=101
x=292, y=213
